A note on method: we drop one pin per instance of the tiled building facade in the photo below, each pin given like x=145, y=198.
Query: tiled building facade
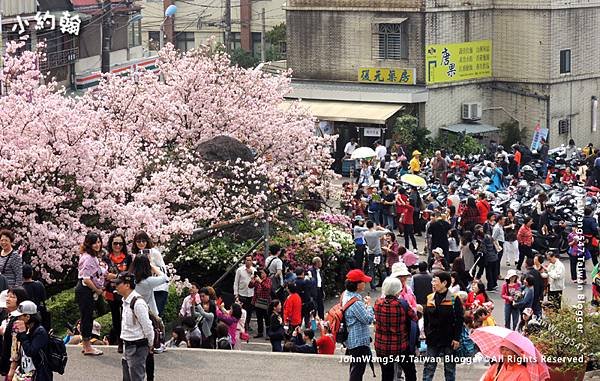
x=545, y=55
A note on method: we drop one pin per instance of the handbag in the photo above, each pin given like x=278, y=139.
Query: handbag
x=261, y=303
x=276, y=335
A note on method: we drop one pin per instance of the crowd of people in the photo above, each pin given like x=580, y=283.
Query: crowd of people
x=465, y=243
x=24, y=319
x=435, y=283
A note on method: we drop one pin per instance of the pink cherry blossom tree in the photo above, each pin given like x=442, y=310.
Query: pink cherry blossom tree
x=125, y=155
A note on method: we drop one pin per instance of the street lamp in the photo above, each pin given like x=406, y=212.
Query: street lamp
x=169, y=12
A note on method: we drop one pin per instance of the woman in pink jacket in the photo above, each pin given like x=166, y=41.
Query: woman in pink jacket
x=511, y=289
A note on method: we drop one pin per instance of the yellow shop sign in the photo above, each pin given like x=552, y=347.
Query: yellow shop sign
x=458, y=62
x=386, y=75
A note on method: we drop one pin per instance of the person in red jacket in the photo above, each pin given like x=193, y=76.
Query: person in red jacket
x=292, y=308
x=484, y=208
x=325, y=343
x=477, y=296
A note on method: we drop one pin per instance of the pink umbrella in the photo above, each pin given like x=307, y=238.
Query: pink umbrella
x=490, y=339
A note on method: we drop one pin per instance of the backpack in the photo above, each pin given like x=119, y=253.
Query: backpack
x=337, y=320
x=275, y=280
x=224, y=343
x=55, y=354
x=157, y=324
x=413, y=329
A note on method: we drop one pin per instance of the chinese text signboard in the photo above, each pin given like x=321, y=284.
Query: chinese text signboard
x=458, y=62
x=386, y=75
x=538, y=134
x=68, y=23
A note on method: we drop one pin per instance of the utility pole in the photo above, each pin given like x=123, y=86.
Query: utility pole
x=227, y=17
x=106, y=34
x=263, y=33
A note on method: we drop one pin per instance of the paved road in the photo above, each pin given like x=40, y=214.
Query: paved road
x=201, y=364
x=192, y=364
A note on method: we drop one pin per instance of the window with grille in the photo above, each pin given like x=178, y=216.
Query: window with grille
x=391, y=41
x=563, y=126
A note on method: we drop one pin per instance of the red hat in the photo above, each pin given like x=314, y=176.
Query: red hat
x=357, y=276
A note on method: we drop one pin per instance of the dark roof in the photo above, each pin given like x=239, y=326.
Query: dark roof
x=54, y=5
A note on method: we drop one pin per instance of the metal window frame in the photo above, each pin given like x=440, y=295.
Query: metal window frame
x=569, y=68
x=390, y=49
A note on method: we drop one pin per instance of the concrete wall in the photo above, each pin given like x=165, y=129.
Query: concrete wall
x=574, y=99
x=460, y=26
x=444, y=105
x=528, y=110
x=576, y=29
x=119, y=57
x=522, y=45
x=357, y=3
x=341, y=42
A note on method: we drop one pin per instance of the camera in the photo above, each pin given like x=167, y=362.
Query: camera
x=145, y=252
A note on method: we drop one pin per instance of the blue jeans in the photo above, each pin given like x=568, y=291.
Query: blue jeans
x=388, y=221
x=276, y=346
x=375, y=217
x=511, y=313
x=431, y=364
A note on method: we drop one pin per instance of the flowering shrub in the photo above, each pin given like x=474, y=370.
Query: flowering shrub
x=314, y=238
x=215, y=257
x=125, y=155
x=339, y=220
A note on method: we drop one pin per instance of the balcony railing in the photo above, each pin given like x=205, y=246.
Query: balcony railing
x=58, y=59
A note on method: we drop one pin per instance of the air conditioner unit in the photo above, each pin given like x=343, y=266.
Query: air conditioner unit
x=471, y=111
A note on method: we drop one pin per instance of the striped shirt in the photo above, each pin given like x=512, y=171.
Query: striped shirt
x=11, y=267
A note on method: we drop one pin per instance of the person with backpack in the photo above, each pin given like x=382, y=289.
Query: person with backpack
x=147, y=278
x=358, y=316
x=274, y=267
x=392, y=331
x=223, y=339
x=137, y=332
x=33, y=340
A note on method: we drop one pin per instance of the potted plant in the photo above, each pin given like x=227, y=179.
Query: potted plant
x=566, y=342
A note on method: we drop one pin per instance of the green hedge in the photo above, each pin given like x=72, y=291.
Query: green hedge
x=106, y=324
x=64, y=310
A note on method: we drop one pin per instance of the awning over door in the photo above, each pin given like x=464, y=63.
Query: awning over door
x=471, y=128
x=355, y=112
